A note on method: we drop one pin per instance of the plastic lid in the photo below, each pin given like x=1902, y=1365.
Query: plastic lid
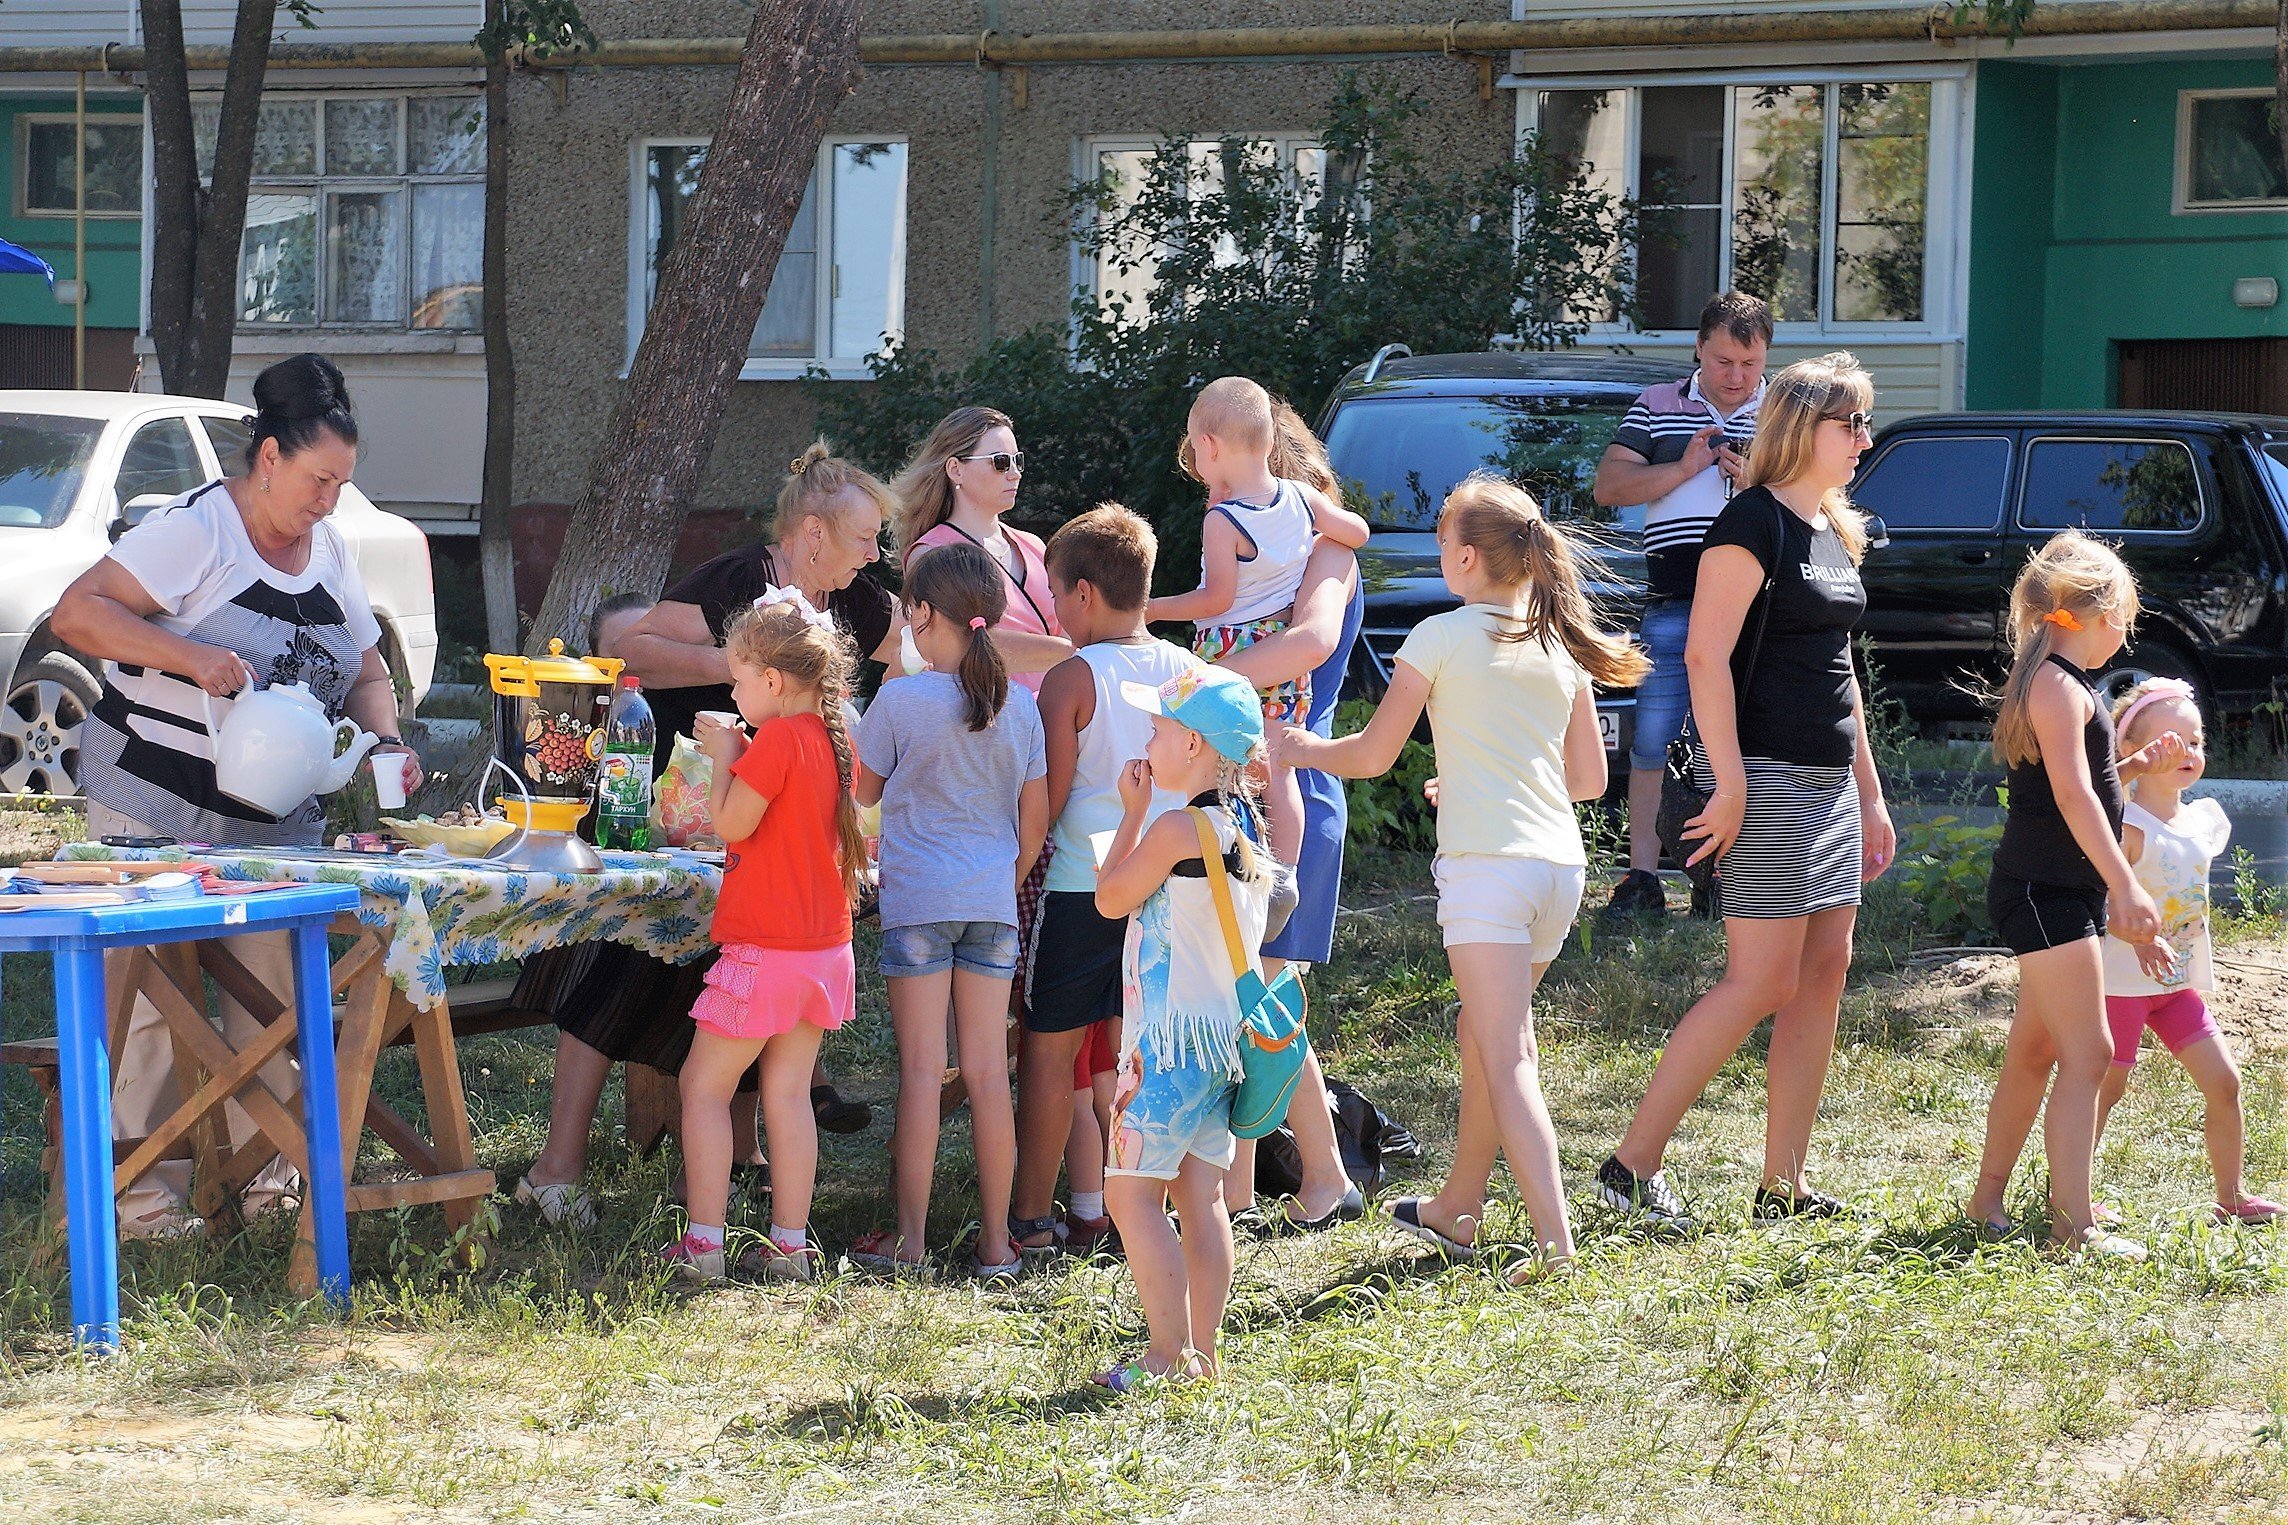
x=630, y=680
x=520, y=674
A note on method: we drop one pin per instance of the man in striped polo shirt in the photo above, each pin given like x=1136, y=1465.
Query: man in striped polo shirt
x=1680, y=451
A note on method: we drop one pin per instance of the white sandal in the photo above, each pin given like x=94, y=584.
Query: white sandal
x=559, y=1204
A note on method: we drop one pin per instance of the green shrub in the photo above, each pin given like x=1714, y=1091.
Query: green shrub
x=1943, y=865
x=1390, y=811
x=1258, y=272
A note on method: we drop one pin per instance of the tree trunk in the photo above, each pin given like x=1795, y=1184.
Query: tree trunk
x=496, y=545
x=195, y=234
x=800, y=59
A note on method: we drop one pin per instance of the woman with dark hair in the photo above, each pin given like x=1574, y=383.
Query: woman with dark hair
x=239, y=582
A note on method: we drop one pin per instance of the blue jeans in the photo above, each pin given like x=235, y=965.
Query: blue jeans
x=932, y=947
x=1664, y=698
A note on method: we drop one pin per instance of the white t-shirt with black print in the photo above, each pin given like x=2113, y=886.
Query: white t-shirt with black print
x=146, y=750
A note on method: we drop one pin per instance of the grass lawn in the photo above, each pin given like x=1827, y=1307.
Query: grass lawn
x=1887, y=1369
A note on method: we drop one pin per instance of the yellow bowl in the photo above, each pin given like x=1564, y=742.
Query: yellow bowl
x=460, y=841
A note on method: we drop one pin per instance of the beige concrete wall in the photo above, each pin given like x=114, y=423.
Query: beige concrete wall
x=568, y=212
x=1909, y=378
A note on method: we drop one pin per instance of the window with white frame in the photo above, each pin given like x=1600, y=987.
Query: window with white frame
x=838, y=295
x=2228, y=155
x=1814, y=196
x=47, y=159
x=365, y=211
x=1121, y=279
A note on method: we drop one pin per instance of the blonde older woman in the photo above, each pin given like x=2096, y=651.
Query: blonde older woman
x=1795, y=815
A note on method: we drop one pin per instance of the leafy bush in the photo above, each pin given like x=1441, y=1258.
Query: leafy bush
x=1389, y=811
x=1258, y=272
x=1943, y=865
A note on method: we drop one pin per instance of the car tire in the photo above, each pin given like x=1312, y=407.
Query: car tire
x=47, y=702
x=2142, y=659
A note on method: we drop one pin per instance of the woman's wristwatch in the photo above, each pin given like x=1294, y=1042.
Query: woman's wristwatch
x=398, y=742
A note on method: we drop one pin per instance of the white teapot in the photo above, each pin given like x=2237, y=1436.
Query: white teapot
x=276, y=748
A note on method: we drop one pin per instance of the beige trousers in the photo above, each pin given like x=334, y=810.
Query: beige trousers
x=146, y=1091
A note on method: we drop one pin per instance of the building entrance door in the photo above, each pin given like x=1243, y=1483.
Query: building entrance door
x=2217, y=375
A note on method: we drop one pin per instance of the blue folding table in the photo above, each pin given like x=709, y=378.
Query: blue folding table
x=77, y=937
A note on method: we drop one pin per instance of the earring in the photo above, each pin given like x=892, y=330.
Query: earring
x=266, y=484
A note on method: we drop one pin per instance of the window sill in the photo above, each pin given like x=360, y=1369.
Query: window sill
x=259, y=339
x=796, y=370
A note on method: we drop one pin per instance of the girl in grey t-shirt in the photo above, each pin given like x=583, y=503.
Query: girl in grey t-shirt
x=954, y=757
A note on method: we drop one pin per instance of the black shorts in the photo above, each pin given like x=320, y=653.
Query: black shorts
x=1074, y=978
x=2031, y=918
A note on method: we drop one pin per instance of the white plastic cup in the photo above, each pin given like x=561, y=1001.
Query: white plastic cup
x=389, y=779
x=729, y=719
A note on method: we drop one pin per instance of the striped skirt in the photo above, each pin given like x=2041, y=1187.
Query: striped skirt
x=1799, y=846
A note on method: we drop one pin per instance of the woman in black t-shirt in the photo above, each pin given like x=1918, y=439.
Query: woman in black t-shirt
x=1795, y=814
x=613, y=1003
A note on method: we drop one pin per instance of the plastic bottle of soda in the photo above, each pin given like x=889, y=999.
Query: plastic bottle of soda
x=623, y=779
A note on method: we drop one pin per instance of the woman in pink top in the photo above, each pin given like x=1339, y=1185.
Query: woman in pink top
x=956, y=488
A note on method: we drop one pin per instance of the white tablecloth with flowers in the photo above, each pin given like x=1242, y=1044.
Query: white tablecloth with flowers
x=440, y=912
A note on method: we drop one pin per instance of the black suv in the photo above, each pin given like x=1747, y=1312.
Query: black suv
x=2197, y=503
x=1403, y=430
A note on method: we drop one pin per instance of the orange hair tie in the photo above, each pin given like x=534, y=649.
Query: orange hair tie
x=2062, y=618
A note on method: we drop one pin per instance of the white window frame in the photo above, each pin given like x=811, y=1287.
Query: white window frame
x=319, y=186
x=23, y=188
x=1087, y=160
x=1946, y=198
x=821, y=184
x=2181, y=201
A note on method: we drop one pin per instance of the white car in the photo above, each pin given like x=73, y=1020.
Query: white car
x=77, y=470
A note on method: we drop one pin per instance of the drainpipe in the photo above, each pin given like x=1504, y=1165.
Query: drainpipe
x=989, y=193
x=1902, y=24
x=79, y=234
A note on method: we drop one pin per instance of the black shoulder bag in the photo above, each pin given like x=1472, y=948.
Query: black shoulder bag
x=1681, y=799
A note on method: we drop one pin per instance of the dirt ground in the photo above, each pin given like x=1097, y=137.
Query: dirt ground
x=2250, y=1001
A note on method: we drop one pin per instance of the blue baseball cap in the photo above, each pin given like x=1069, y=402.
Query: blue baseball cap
x=1214, y=701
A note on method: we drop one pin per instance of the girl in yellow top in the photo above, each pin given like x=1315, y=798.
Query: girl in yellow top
x=1507, y=681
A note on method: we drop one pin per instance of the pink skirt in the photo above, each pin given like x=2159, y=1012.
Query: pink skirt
x=758, y=993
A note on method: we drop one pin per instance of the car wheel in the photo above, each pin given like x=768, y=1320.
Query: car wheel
x=48, y=701
x=2141, y=660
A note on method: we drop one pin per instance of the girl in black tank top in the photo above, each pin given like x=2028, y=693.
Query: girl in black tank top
x=2037, y=845
x=2070, y=611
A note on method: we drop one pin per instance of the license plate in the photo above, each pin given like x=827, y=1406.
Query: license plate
x=1609, y=729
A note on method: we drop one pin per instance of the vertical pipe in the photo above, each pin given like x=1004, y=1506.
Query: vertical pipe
x=91, y=1221
x=321, y=1113
x=989, y=192
x=79, y=234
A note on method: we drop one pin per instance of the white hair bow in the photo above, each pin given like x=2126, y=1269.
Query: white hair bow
x=802, y=606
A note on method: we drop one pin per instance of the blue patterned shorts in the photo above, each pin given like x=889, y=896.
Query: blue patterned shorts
x=1161, y=1115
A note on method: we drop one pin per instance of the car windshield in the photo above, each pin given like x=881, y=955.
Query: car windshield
x=1399, y=456
x=42, y=458
x=2276, y=457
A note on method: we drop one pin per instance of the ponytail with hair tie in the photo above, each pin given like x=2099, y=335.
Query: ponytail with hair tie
x=976, y=622
x=964, y=584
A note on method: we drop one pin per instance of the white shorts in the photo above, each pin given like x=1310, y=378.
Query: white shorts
x=1489, y=898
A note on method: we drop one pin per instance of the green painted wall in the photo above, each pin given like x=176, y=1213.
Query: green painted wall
x=2074, y=174
x=2013, y=187
x=114, y=244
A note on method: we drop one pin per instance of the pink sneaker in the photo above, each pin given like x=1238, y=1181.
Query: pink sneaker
x=2254, y=1211
x=694, y=1259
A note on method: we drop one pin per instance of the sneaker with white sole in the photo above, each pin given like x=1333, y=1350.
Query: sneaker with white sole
x=694, y=1259
x=769, y=1261
x=2097, y=1239
x=565, y=1203
x=1649, y=1198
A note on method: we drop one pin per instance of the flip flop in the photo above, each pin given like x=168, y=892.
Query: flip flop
x=1288, y=1217
x=1406, y=1217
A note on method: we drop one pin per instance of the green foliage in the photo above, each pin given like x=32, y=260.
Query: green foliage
x=2009, y=17
x=1235, y=263
x=1389, y=811
x=1943, y=867
x=537, y=28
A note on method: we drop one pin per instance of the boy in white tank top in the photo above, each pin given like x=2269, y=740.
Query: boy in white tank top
x=1254, y=543
x=1100, y=574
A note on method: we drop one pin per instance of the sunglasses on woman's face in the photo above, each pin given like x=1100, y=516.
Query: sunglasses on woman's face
x=1002, y=460
x=1861, y=423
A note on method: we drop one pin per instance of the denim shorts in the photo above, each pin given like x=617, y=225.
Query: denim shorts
x=932, y=947
x=1664, y=698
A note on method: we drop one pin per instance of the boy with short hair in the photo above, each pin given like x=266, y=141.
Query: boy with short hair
x=1254, y=543
x=1100, y=575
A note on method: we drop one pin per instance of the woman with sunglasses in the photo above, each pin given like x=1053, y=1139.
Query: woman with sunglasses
x=1795, y=815
x=955, y=490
